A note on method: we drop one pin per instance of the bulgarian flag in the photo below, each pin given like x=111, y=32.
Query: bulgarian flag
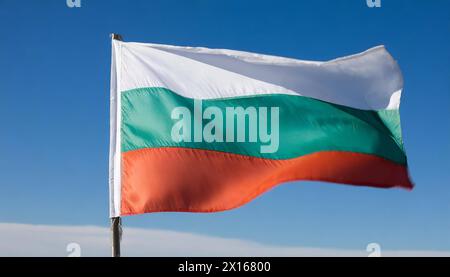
x=205, y=130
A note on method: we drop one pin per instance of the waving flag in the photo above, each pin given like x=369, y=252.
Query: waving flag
x=204, y=130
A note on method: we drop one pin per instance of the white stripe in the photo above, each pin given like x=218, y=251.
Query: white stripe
x=370, y=80
x=114, y=144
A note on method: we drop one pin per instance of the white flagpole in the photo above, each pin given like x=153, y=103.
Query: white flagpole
x=116, y=222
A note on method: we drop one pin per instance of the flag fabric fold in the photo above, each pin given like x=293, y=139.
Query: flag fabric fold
x=204, y=130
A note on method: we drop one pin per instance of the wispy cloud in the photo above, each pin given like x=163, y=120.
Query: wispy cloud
x=50, y=240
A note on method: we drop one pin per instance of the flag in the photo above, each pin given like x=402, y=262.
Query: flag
x=204, y=130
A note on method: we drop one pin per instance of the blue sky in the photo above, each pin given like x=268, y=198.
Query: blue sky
x=54, y=114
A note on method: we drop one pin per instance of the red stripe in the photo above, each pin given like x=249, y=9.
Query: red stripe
x=194, y=180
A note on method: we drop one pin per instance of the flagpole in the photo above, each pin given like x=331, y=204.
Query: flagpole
x=116, y=222
x=116, y=228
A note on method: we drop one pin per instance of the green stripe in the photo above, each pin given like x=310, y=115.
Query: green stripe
x=306, y=125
